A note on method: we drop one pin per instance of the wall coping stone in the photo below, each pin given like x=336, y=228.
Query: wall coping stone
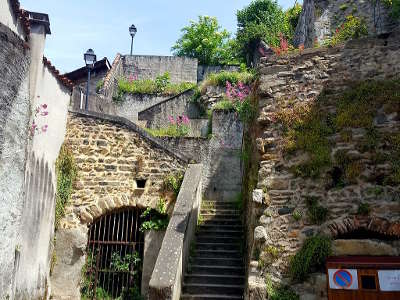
x=132, y=126
x=166, y=100
x=165, y=280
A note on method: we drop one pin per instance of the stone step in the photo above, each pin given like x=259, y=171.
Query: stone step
x=206, y=226
x=214, y=279
x=220, y=217
x=198, y=289
x=218, y=253
x=233, y=222
x=208, y=261
x=217, y=246
x=219, y=204
x=217, y=211
x=219, y=239
x=221, y=233
x=216, y=270
x=210, y=297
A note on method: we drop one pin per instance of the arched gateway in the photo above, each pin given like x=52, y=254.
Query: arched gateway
x=114, y=255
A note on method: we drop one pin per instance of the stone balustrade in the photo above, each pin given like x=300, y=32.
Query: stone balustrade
x=166, y=280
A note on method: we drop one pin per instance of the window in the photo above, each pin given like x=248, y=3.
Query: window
x=140, y=183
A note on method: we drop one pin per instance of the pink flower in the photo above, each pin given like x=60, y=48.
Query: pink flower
x=185, y=120
x=44, y=113
x=44, y=128
x=44, y=106
x=171, y=120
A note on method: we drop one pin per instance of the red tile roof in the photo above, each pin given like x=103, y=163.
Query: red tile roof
x=63, y=79
x=22, y=15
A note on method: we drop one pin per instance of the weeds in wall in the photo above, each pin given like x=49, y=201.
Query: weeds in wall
x=66, y=171
x=234, y=77
x=310, y=258
x=308, y=127
x=155, y=219
x=315, y=212
x=160, y=86
x=99, y=85
x=173, y=182
x=363, y=209
x=280, y=292
x=352, y=28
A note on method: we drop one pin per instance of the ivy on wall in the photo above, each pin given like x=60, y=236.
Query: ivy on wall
x=66, y=171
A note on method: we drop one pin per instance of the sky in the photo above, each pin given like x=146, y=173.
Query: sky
x=103, y=25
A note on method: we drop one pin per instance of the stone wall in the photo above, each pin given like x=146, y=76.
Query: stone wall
x=320, y=18
x=157, y=116
x=219, y=155
x=14, y=122
x=287, y=82
x=110, y=156
x=128, y=108
x=37, y=225
x=180, y=69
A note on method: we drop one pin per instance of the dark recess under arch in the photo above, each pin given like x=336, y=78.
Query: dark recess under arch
x=114, y=240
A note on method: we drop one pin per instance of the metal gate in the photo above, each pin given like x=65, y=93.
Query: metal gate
x=114, y=256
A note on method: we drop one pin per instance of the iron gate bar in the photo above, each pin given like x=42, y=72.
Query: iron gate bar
x=116, y=232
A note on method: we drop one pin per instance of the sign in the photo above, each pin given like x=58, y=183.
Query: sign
x=389, y=280
x=343, y=279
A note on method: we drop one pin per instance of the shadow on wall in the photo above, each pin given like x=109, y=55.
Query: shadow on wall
x=37, y=226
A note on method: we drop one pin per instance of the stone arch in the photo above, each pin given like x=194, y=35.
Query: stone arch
x=103, y=207
x=369, y=223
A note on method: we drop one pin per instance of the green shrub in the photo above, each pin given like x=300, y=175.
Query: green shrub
x=352, y=28
x=315, y=212
x=66, y=175
x=220, y=79
x=280, y=292
x=171, y=130
x=173, y=182
x=310, y=257
x=160, y=85
x=155, y=219
x=224, y=105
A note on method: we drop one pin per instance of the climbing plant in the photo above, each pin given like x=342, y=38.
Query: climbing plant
x=66, y=171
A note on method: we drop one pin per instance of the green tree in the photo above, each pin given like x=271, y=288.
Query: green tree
x=206, y=41
x=261, y=20
x=292, y=18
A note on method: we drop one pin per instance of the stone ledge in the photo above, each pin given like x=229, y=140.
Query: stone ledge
x=166, y=279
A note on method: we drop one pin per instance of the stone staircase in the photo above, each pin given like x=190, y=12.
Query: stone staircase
x=216, y=269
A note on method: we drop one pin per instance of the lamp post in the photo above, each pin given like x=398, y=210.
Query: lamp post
x=132, y=32
x=90, y=59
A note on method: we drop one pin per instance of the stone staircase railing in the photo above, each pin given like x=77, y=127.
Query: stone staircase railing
x=167, y=277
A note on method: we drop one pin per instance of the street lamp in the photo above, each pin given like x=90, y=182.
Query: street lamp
x=90, y=59
x=132, y=32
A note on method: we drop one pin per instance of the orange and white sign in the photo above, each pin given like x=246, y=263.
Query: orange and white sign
x=389, y=280
x=343, y=279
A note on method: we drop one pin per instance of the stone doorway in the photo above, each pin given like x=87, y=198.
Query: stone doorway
x=114, y=256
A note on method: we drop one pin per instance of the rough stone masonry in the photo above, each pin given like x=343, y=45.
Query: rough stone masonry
x=298, y=79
